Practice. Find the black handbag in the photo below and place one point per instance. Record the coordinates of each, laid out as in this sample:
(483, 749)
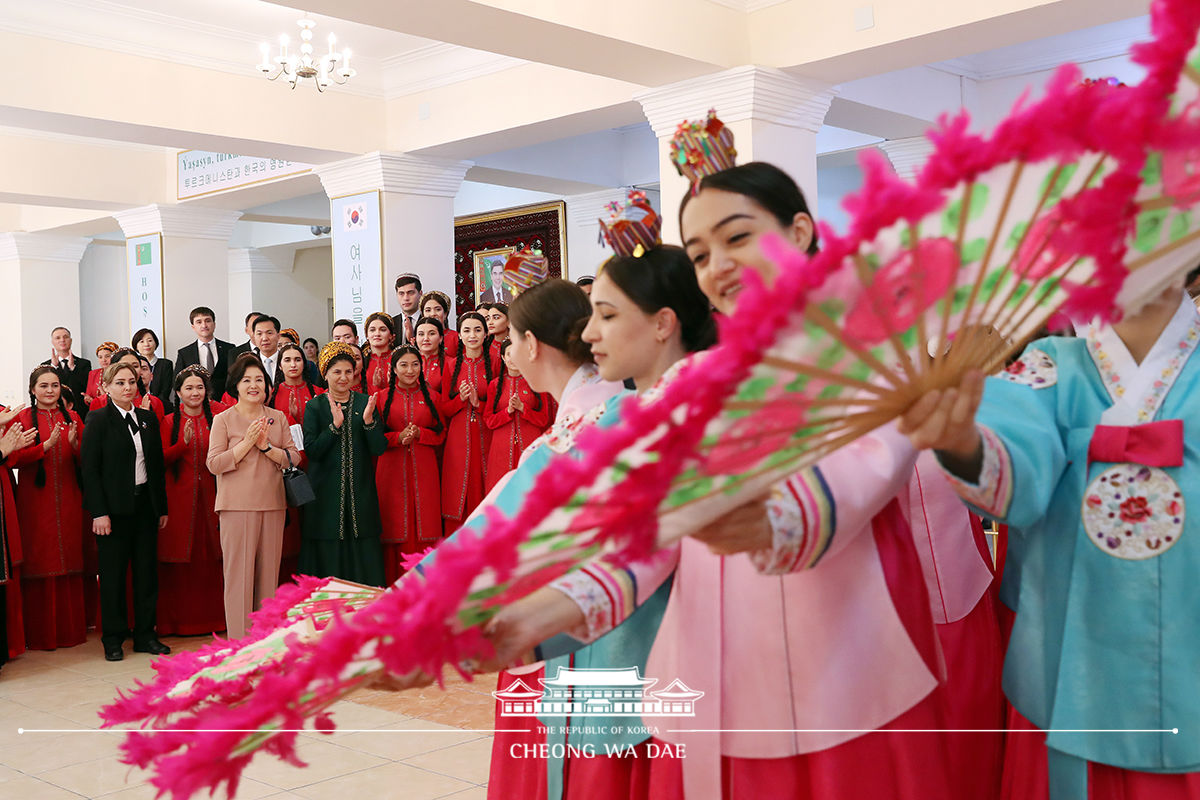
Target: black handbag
(296, 485)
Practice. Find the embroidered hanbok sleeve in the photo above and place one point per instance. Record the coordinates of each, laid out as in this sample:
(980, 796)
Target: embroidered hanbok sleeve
(816, 511)
(1023, 450)
(607, 593)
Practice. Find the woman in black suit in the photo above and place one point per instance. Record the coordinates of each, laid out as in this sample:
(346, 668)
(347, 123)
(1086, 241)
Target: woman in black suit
(145, 341)
(124, 488)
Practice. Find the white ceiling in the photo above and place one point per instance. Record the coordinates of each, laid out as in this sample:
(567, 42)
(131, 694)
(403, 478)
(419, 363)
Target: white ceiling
(226, 35)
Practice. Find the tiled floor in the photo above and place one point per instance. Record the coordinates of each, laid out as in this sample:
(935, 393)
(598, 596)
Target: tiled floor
(419, 745)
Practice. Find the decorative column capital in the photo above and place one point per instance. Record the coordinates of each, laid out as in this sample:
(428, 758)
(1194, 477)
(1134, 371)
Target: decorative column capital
(908, 156)
(741, 93)
(393, 172)
(253, 260)
(187, 221)
(42, 247)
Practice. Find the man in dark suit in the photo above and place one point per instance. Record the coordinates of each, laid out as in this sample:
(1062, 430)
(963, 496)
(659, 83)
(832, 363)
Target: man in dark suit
(72, 369)
(266, 346)
(124, 488)
(497, 292)
(247, 346)
(408, 292)
(207, 351)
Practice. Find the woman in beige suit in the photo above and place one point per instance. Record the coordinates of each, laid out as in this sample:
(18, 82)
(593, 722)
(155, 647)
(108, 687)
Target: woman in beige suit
(247, 451)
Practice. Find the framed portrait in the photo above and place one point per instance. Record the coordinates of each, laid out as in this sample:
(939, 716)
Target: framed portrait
(483, 242)
(488, 275)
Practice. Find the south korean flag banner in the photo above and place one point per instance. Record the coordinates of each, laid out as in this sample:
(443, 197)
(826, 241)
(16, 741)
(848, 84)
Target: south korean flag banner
(355, 218)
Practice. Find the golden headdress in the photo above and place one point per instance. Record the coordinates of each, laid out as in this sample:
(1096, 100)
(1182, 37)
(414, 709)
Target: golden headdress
(111, 347)
(329, 351)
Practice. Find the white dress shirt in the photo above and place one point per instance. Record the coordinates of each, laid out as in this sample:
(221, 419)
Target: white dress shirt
(139, 464)
(211, 347)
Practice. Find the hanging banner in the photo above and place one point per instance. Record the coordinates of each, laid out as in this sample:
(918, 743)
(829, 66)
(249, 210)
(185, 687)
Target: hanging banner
(199, 172)
(357, 256)
(143, 254)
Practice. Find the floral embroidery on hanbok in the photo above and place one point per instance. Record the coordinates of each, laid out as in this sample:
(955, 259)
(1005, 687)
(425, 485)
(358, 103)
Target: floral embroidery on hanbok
(1133, 512)
(1035, 368)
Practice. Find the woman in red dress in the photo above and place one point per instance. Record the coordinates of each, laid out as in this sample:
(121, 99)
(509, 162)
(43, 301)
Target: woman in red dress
(496, 317)
(381, 335)
(293, 392)
(96, 377)
(406, 475)
(290, 396)
(516, 415)
(50, 510)
(357, 385)
(464, 386)
(191, 597)
(12, 625)
(436, 305)
(431, 346)
(144, 399)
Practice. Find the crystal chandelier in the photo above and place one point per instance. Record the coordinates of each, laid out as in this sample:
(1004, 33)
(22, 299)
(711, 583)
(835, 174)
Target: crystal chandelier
(332, 67)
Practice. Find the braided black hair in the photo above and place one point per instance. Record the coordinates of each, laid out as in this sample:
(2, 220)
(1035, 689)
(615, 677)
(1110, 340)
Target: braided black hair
(402, 350)
(537, 396)
(39, 479)
(462, 354)
(312, 392)
(187, 372)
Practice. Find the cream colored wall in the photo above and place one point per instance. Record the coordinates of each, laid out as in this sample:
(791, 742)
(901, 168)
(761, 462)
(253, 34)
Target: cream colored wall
(300, 298)
(104, 297)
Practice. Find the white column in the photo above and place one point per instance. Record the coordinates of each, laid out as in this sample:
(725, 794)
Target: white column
(40, 273)
(774, 117)
(289, 282)
(908, 156)
(194, 269)
(409, 200)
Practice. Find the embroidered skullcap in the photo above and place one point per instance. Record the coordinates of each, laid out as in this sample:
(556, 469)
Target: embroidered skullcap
(111, 347)
(330, 351)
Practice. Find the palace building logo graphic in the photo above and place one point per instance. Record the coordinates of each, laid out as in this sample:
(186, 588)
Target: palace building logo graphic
(602, 692)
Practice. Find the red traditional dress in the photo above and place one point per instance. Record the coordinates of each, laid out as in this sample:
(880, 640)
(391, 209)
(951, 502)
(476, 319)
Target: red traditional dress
(432, 367)
(93, 384)
(450, 344)
(377, 369)
(406, 477)
(191, 598)
(156, 405)
(51, 521)
(512, 433)
(291, 400)
(10, 571)
(466, 442)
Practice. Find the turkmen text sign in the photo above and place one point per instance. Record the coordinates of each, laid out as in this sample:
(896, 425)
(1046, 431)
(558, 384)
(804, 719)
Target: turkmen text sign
(200, 172)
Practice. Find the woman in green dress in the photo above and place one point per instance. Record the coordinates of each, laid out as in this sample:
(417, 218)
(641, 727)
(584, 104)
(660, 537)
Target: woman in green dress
(342, 437)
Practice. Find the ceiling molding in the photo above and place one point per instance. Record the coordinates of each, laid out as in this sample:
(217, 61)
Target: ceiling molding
(70, 138)
(437, 65)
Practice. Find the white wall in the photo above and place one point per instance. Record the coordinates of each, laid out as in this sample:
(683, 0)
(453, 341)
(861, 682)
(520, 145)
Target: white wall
(833, 184)
(300, 298)
(104, 306)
